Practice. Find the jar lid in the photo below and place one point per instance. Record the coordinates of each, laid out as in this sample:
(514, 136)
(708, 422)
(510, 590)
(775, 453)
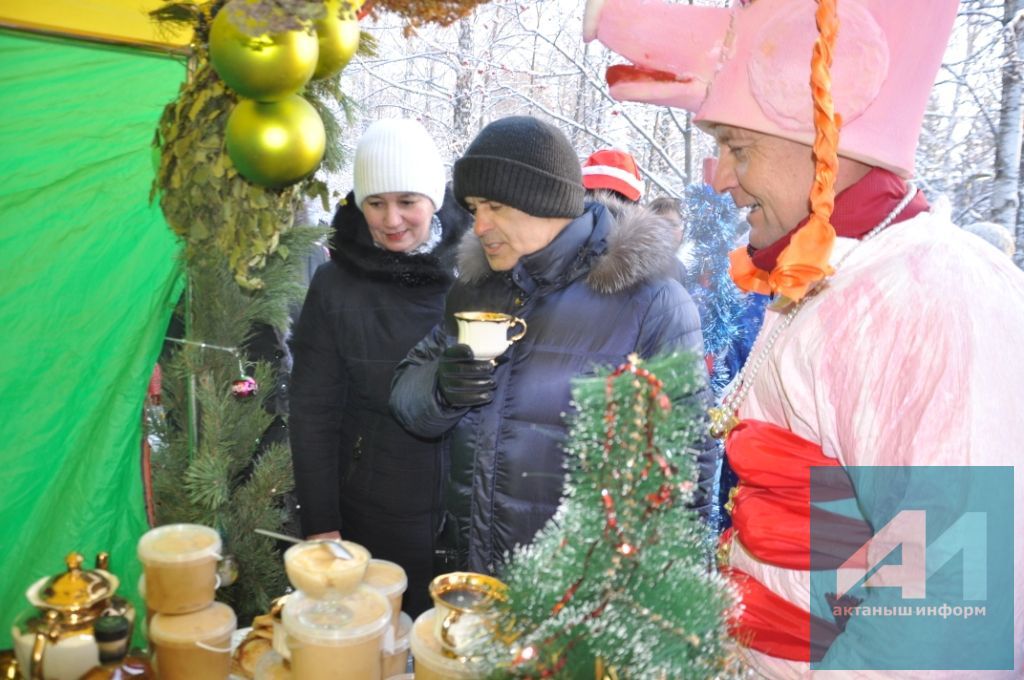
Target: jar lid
(74, 589)
(216, 621)
(272, 666)
(386, 577)
(179, 543)
(399, 641)
(361, 614)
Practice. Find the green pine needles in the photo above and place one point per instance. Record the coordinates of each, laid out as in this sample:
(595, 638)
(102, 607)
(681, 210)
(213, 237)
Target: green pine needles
(618, 583)
(213, 461)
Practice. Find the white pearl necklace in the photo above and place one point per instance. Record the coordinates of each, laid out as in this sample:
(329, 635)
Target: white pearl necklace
(723, 417)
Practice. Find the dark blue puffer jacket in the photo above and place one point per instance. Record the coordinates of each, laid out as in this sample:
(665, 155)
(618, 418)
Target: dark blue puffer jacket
(600, 291)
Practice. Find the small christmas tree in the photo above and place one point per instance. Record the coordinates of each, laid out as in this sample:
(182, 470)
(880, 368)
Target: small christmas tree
(213, 462)
(619, 579)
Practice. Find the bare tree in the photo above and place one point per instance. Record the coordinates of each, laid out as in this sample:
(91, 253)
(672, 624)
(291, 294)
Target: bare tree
(513, 57)
(462, 118)
(1006, 186)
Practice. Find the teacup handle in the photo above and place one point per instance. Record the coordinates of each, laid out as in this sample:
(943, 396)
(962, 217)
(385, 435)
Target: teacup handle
(50, 634)
(36, 665)
(459, 646)
(450, 619)
(518, 336)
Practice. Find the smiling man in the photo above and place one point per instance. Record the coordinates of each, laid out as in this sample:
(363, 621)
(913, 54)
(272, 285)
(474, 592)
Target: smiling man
(593, 287)
(776, 201)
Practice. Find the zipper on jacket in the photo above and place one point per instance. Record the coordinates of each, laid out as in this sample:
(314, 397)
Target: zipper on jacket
(357, 453)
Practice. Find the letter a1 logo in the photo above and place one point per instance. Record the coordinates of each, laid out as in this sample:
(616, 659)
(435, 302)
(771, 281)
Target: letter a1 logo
(907, 531)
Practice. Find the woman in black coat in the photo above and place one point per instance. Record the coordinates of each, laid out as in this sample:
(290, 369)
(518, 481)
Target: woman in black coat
(358, 474)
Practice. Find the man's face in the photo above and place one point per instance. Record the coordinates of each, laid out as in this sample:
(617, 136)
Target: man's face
(769, 175)
(508, 234)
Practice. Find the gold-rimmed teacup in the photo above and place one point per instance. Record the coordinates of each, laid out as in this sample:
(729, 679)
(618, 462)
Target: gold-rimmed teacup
(489, 334)
(465, 603)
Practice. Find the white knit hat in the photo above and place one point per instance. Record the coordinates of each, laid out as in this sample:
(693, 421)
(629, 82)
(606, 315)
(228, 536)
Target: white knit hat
(397, 154)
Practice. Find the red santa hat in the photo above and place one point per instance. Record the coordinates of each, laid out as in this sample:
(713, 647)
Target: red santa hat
(613, 170)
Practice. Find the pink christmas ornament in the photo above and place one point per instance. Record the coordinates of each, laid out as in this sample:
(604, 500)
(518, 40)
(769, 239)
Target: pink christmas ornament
(244, 387)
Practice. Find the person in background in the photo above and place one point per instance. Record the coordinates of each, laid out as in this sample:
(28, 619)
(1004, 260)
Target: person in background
(358, 474)
(996, 234)
(889, 363)
(611, 177)
(592, 289)
(613, 171)
(669, 208)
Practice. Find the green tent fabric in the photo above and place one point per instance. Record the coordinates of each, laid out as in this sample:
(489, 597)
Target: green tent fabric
(89, 275)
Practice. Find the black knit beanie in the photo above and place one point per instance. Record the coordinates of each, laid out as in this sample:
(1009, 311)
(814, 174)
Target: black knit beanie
(524, 163)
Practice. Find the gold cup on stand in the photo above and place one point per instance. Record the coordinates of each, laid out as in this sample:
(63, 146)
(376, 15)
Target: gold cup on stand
(465, 610)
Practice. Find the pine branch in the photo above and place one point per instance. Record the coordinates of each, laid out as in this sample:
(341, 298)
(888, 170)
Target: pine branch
(207, 482)
(231, 480)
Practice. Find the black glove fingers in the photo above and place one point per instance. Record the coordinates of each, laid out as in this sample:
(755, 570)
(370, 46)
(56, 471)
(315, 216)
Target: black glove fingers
(464, 381)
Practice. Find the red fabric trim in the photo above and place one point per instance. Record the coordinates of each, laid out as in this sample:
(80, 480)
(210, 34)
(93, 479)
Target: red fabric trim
(767, 622)
(775, 626)
(772, 516)
(769, 456)
(858, 209)
(772, 504)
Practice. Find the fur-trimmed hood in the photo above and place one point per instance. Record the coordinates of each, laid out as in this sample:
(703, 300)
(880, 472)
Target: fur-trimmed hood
(352, 248)
(629, 245)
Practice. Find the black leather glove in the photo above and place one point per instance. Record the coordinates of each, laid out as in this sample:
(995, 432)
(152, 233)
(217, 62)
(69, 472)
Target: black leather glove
(464, 381)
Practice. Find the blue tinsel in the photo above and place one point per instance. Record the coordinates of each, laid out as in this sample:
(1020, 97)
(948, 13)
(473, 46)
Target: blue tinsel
(730, 319)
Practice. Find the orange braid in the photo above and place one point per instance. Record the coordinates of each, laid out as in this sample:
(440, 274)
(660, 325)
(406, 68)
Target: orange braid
(805, 260)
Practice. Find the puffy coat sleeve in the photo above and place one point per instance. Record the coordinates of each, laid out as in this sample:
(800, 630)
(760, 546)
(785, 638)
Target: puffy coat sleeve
(673, 323)
(415, 402)
(317, 393)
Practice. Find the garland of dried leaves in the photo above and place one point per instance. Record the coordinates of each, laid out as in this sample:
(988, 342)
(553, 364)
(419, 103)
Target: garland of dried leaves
(205, 200)
(419, 12)
(203, 197)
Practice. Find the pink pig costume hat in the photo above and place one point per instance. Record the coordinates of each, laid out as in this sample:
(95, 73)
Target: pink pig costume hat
(748, 66)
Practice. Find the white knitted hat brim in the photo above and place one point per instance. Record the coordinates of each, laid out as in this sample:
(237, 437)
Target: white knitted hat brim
(398, 156)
